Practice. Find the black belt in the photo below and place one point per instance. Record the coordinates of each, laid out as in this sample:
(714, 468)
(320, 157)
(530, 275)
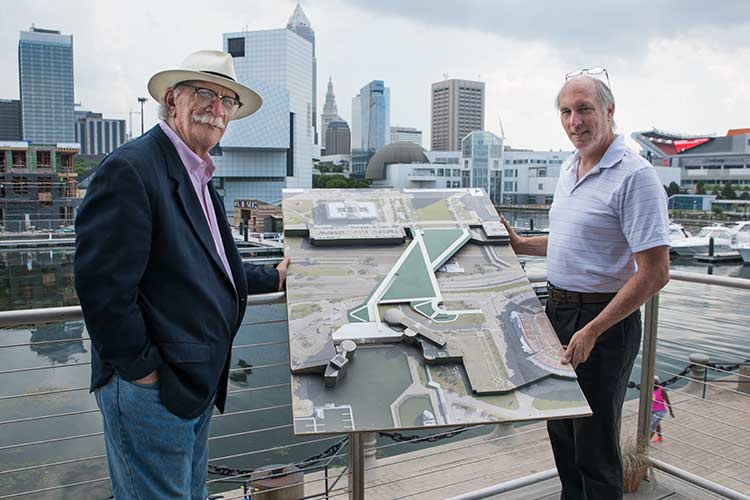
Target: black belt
(566, 296)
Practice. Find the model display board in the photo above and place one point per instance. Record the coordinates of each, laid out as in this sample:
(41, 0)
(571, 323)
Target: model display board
(408, 308)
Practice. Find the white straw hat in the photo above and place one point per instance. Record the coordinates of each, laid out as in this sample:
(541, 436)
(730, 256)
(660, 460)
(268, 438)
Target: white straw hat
(212, 66)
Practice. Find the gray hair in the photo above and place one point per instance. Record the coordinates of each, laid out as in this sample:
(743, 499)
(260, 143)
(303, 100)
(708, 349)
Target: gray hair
(163, 109)
(602, 92)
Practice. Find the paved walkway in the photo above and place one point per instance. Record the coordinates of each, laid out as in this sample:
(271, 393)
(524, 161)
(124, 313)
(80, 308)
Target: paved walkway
(709, 438)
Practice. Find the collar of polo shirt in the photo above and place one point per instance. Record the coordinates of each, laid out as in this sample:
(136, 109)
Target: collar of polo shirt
(611, 157)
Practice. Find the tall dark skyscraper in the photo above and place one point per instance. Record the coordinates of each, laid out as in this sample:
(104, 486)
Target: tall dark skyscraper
(45, 70)
(299, 24)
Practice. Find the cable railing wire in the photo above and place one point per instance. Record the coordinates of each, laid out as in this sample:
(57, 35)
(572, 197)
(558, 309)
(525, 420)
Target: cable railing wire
(43, 393)
(665, 322)
(45, 417)
(712, 436)
(463, 463)
(700, 348)
(48, 441)
(245, 412)
(470, 445)
(707, 383)
(274, 448)
(53, 464)
(662, 450)
(704, 450)
(706, 417)
(313, 461)
(52, 488)
(727, 368)
(708, 401)
(474, 478)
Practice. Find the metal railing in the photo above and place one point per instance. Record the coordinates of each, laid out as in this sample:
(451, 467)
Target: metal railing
(333, 466)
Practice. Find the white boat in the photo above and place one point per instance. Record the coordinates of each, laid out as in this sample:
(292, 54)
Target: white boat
(699, 243)
(740, 241)
(677, 232)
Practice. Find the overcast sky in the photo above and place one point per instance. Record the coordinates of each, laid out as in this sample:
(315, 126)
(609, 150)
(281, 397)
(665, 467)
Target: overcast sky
(681, 65)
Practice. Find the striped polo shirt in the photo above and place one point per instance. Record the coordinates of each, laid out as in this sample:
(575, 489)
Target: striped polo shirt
(598, 222)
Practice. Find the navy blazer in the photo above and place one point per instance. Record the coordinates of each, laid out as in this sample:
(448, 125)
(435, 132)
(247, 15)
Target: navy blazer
(154, 293)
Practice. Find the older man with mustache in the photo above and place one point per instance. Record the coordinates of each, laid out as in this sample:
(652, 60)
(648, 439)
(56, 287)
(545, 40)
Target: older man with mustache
(162, 286)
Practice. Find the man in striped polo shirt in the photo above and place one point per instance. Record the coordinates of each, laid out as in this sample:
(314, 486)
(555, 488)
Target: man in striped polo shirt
(607, 253)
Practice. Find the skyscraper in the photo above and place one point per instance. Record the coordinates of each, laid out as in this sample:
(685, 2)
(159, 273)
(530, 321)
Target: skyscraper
(45, 71)
(338, 138)
(299, 24)
(371, 116)
(457, 110)
(330, 112)
(271, 149)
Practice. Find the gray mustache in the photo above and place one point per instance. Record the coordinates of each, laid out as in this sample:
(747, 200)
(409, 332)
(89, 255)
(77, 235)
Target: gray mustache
(206, 119)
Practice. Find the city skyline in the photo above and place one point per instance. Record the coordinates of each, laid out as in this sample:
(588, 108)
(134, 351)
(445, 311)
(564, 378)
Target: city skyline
(685, 70)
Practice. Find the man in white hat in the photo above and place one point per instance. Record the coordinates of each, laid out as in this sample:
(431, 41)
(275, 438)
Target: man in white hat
(162, 286)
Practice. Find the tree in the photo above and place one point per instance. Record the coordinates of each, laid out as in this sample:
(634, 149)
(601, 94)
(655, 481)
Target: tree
(82, 166)
(745, 196)
(673, 189)
(727, 192)
(337, 182)
(700, 188)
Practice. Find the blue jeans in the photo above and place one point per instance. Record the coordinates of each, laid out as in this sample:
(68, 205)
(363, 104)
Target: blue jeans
(152, 453)
(656, 416)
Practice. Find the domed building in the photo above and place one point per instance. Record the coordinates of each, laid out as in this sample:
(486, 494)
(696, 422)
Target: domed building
(405, 165)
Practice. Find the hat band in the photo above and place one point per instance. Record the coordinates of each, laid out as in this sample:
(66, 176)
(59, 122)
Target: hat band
(215, 73)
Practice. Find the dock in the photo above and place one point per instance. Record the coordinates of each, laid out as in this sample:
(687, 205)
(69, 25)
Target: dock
(718, 257)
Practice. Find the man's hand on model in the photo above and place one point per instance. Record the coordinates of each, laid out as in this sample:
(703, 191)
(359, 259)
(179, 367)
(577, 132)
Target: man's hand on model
(579, 348)
(515, 239)
(148, 379)
(283, 268)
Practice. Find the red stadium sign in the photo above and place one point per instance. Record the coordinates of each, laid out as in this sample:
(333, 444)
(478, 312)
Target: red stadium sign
(685, 144)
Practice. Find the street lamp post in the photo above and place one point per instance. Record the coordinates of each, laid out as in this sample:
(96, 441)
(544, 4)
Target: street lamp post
(141, 100)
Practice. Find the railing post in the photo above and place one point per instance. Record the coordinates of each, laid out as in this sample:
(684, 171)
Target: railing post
(648, 360)
(356, 466)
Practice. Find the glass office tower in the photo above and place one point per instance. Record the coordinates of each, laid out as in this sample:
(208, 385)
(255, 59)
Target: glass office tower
(45, 70)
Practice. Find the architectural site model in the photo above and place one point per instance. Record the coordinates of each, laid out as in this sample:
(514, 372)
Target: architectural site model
(407, 309)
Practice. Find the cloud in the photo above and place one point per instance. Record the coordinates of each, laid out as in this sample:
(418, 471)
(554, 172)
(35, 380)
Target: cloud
(582, 29)
(674, 65)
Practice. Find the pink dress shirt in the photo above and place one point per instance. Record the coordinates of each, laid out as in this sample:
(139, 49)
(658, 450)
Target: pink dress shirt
(200, 171)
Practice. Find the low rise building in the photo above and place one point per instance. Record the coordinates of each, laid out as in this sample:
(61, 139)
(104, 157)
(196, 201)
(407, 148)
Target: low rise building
(700, 158)
(509, 176)
(257, 216)
(37, 185)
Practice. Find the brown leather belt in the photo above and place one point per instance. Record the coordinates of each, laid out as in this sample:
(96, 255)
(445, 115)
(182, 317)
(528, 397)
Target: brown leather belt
(566, 296)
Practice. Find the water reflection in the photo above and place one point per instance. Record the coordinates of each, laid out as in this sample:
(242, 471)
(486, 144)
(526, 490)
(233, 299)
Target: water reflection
(32, 279)
(43, 341)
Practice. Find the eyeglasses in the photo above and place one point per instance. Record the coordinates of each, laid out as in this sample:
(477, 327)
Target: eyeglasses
(594, 72)
(206, 97)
